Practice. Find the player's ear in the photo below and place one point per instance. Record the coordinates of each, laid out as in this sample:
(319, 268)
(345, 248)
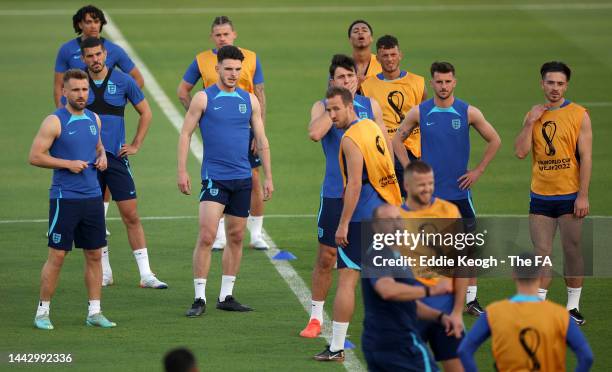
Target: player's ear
(217, 68)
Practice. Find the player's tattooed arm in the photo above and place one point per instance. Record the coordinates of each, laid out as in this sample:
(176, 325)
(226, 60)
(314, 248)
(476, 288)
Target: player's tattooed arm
(378, 118)
(144, 121)
(523, 142)
(190, 123)
(489, 134)
(262, 146)
(184, 93)
(585, 150)
(408, 124)
(261, 97)
(320, 122)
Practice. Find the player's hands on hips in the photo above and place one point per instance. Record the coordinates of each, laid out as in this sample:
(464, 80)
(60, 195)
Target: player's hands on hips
(467, 180)
(453, 324)
(581, 206)
(127, 150)
(184, 183)
(268, 189)
(101, 162)
(77, 166)
(342, 235)
(536, 112)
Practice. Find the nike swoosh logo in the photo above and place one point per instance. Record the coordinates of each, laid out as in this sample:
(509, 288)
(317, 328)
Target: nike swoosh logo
(428, 124)
(73, 132)
(217, 108)
(132, 192)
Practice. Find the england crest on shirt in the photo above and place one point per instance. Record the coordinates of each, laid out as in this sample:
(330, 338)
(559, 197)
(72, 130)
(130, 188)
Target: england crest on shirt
(93, 129)
(456, 123)
(111, 88)
(242, 108)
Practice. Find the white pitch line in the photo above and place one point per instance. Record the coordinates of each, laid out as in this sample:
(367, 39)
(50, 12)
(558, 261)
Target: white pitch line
(323, 9)
(287, 272)
(268, 216)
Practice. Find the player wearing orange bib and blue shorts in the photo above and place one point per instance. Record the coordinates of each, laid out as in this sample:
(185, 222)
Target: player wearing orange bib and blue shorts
(558, 134)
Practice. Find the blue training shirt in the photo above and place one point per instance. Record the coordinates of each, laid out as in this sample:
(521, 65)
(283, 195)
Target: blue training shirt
(119, 89)
(225, 127)
(69, 56)
(332, 182)
(445, 145)
(192, 74)
(77, 141)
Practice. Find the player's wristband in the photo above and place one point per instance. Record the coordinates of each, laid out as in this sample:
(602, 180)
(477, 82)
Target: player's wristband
(439, 318)
(427, 291)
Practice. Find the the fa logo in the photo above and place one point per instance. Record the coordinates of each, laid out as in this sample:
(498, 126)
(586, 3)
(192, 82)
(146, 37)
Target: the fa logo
(320, 232)
(214, 192)
(363, 115)
(56, 238)
(93, 129)
(242, 108)
(111, 88)
(456, 123)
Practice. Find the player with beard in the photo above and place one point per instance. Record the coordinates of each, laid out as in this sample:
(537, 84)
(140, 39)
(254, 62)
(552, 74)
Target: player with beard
(110, 92)
(397, 91)
(561, 140)
(69, 143)
(444, 123)
(321, 128)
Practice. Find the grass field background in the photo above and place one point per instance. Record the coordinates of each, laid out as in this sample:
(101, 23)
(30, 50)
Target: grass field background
(497, 53)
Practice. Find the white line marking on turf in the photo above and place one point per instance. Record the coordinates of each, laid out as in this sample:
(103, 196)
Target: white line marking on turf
(284, 268)
(322, 9)
(279, 216)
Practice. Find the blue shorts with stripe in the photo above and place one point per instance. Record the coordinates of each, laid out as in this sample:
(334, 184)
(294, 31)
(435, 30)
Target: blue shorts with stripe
(234, 194)
(118, 178)
(253, 157)
(443, 347)
(408, 356)
(349, 257)
(330, 210)
(78, 221)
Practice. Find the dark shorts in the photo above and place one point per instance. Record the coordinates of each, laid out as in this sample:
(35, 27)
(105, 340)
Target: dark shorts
(76, 220)
(330, 210)
(234, 194)
(413, 356)
(443, 347)
(350, 256)
(551, 208)
(118, 178)
(466, 208)
(253, 157)
(399, 171)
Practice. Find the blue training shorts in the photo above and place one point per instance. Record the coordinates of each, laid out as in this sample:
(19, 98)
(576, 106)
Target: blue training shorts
(77, 220)
(234, 194)
(118, 178)
(328, 219)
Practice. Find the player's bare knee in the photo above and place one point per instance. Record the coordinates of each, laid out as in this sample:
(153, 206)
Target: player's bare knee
(327, 258)
(235, 236)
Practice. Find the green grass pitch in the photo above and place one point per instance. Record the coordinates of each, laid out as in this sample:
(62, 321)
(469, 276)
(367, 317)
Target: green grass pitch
(497, 52)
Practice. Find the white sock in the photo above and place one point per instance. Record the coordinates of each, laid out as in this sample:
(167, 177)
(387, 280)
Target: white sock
(573, 298)
(227, 286)
(470, 295)
(200, 288)
(106, 204)
(221, 230)
(94, 307)
(106, 267)
(254, 224)
(316, 311)
(542, 293)
(142, 259)
(339, 330)
(43, 308)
